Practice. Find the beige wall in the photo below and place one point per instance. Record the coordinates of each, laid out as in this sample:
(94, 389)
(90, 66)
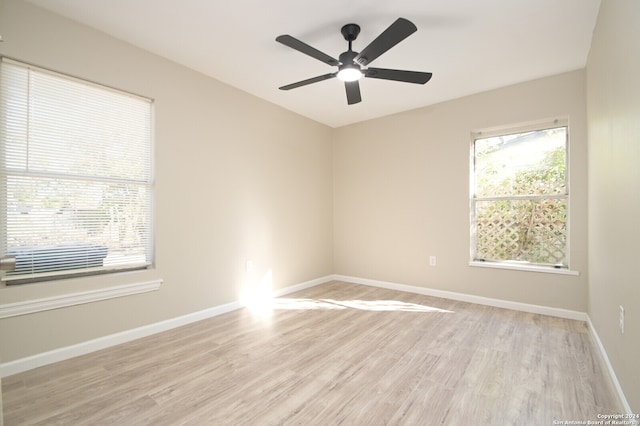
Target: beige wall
(401, 194)
(613, 89)
(237, 179)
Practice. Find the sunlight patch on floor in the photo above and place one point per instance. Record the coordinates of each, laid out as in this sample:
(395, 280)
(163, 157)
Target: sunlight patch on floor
(364, 305)
(259, 298)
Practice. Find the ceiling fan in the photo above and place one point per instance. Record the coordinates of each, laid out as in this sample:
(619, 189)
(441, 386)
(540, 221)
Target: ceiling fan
(353, 65)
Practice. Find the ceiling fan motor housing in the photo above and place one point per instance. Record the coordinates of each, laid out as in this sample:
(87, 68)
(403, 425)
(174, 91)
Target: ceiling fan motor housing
(347, 58)
(350, 32)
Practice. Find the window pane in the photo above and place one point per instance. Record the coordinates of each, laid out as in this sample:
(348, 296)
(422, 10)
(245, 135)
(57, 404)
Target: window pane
(522, 230)
(47, 216)
(531, 163)
(79, 129)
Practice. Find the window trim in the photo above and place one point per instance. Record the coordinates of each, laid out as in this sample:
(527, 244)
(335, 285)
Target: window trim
(65, 300)
(543, 124)
(526, 267)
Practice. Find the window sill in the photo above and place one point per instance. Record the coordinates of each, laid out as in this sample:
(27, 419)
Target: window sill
(526, 268)
(8, 310)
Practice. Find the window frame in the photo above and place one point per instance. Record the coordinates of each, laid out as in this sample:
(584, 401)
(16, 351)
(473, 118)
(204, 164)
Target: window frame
(149, 184)
(537, 125)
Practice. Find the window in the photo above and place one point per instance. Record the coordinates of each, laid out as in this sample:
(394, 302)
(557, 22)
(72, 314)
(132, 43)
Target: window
(75, 175)
(519, 196)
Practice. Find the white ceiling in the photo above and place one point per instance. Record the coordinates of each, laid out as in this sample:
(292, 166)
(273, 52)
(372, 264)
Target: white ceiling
(470, 46)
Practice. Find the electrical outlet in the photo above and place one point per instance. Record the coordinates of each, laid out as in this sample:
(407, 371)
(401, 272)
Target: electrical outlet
(621, 319)
(249, 266)
(433, 261)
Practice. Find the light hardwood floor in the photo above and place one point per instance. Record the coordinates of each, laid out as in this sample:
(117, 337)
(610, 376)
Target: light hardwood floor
(337, 353)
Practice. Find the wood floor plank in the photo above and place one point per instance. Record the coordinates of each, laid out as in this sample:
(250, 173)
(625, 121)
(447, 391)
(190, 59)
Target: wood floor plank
(336, 353)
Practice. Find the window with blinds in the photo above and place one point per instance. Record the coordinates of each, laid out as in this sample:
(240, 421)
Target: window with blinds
(75, 173)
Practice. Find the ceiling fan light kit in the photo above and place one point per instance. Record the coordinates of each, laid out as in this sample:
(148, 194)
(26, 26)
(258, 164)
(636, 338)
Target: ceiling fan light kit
(352, 66)
(349, 73)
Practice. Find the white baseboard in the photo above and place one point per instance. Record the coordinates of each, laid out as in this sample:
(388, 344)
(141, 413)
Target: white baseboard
(61, 354)
(479, 300)
(302, 286)
(610, 369)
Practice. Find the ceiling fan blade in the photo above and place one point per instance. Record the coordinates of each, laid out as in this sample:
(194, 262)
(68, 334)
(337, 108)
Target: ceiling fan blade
(398, 31)
(296, 44)
(308, 81)
(353, 92)
(398, 75)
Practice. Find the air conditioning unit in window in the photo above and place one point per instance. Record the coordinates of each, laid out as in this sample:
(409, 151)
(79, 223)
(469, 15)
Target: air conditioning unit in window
(61, 257)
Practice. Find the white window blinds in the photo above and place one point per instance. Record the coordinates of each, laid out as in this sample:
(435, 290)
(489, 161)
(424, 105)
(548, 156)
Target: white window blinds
(75, 175)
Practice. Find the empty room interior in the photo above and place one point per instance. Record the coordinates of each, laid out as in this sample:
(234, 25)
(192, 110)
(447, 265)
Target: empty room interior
(454, 247)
